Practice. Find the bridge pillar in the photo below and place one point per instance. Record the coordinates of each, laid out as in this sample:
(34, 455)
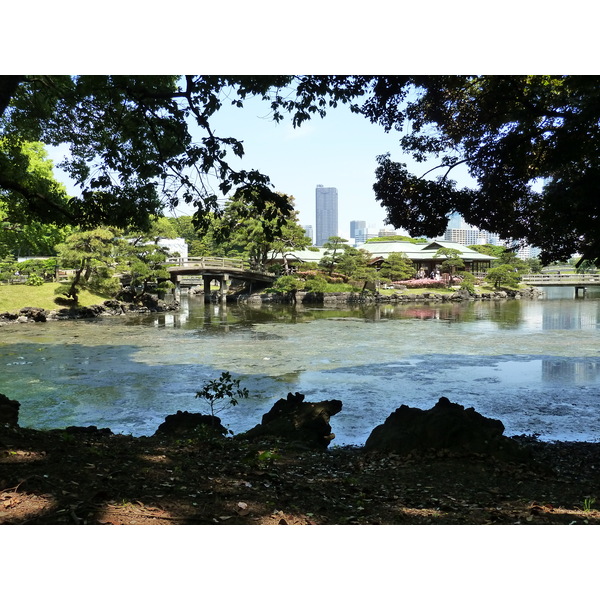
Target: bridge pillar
(579, 288)
(225, 283)
(206, 279)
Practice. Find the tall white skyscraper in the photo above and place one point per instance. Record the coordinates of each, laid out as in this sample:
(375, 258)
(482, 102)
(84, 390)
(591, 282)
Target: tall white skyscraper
(326, 214)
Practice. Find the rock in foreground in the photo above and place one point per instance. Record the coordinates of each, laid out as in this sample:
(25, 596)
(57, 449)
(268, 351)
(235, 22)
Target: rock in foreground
(184, 423)
(295, 420)
(9, 411)
(446, 426)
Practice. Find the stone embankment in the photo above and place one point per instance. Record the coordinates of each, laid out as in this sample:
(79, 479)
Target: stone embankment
(148, 304)
(336, 298)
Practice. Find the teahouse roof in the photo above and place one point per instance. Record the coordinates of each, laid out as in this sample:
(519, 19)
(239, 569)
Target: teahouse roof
(423, 251)
(416, 252)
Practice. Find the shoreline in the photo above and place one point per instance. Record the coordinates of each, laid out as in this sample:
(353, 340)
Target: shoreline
(31, 314)
(153, 304)
(322, 298)
(81, 478)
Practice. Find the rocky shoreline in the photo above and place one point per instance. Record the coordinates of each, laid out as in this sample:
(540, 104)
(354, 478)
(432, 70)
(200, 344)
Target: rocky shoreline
(152, 304)
(319, 298)
(147, 304)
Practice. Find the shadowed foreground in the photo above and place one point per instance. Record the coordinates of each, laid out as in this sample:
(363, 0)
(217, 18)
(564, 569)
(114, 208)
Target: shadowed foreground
(57, 477)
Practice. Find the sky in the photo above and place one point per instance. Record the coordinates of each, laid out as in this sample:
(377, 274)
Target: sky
(338, 151)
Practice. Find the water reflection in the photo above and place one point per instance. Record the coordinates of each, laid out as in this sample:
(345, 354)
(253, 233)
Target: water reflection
(568, 293)
(561, 315)
(504, 314)
(570, 370)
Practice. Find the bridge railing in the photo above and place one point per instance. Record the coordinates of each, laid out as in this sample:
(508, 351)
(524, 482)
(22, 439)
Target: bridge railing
(564, 278)
(207, 262)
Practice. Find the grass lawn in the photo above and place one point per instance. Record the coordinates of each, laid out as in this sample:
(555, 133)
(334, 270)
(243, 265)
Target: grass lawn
(15, 297)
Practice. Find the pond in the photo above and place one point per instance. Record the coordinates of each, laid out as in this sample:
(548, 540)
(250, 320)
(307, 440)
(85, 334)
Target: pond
(533, 364)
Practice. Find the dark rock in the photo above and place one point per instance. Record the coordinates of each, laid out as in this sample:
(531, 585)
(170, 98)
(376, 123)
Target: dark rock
(113, 307)
(446, 426)
(90, 312)
(144, 303)
(185, 422)
(295, 420)
(9, 411)
(34, 314)
(6, 316)
(91, 430)
(461, 295)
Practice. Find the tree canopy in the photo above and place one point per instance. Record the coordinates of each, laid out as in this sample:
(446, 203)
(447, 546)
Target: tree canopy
(257, 228)
(531, 145)
(132, 141)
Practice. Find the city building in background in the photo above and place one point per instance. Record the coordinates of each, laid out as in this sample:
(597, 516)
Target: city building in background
(387, 232)
(326, 199)
(308, 230)
(455, 221)
(358, 232)
(460, 232)
(357, 227)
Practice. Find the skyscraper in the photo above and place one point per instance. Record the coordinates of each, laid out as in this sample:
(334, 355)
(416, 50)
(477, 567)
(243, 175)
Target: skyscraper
(357, 228)
(326, 214)
(308, 230)
(455, 221)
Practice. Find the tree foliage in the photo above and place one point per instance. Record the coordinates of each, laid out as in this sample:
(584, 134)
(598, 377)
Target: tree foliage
(133, 142)
(488, 249)
(503, 275)
(530, 143)
(105, 258)
(335, 247)
(256, 227)
(21, 233)
(93, 256)
(452, 259)
(353, 262)
(144, 265)
(397, 266)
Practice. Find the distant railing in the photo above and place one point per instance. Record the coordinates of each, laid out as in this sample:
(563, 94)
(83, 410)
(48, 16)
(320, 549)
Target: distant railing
(207, 262)
(64, 274)
(561, 279)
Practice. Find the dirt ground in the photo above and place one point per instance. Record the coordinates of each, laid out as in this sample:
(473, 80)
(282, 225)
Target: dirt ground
(63, 478)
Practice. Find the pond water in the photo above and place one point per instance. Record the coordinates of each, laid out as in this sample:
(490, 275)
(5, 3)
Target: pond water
(535, 365)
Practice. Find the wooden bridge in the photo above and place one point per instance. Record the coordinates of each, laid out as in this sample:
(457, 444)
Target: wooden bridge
(576, 280)
(196, 270)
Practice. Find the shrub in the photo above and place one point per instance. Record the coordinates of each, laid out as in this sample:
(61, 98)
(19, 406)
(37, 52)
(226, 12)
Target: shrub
(217, 393)
(35, 279)
(315, 284)
(467, 281)
(423, 283)
(286, 284)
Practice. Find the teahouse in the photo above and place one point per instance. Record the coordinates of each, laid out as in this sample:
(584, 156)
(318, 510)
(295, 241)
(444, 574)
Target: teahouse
(422, 255)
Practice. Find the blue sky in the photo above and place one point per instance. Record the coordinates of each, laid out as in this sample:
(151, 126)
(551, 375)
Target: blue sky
(338, 151)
